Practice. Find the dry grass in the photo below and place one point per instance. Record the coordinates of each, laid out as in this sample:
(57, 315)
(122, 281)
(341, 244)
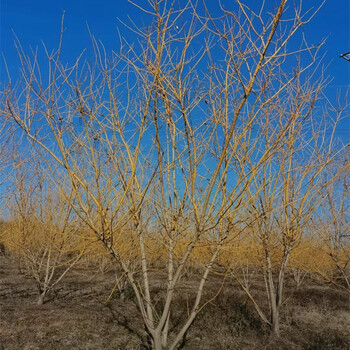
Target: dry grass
(315, 317)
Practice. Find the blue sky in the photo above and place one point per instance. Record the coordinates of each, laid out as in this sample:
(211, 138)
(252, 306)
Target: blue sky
(34, 21)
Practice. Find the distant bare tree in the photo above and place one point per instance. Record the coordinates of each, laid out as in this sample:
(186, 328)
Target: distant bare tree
(334, 228)
(40, 231)
(286, 193)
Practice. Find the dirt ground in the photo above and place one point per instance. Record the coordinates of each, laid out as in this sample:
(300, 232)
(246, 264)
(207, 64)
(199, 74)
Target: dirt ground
(315, 317)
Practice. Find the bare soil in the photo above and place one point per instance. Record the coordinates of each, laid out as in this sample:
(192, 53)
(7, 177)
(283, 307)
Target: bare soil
(315, 317)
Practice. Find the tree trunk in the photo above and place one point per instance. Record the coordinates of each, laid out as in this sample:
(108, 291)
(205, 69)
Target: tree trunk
(41, 299)
(165, 332)
(273, 297)
(275, 324)
(157, 341)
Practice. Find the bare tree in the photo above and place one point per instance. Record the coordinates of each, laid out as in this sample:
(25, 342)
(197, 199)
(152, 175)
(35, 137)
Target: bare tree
(159, 139)
(334, 229)
(41, 231)
(286, 193)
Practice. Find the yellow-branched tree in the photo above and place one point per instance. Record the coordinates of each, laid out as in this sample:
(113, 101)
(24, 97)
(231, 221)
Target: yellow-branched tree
(41, 231)
(157, 141)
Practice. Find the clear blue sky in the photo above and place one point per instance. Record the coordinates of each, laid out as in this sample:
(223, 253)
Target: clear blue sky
(34, 21)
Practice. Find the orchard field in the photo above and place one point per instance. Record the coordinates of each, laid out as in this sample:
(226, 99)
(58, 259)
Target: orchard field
(80, 314)
(186, 189)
